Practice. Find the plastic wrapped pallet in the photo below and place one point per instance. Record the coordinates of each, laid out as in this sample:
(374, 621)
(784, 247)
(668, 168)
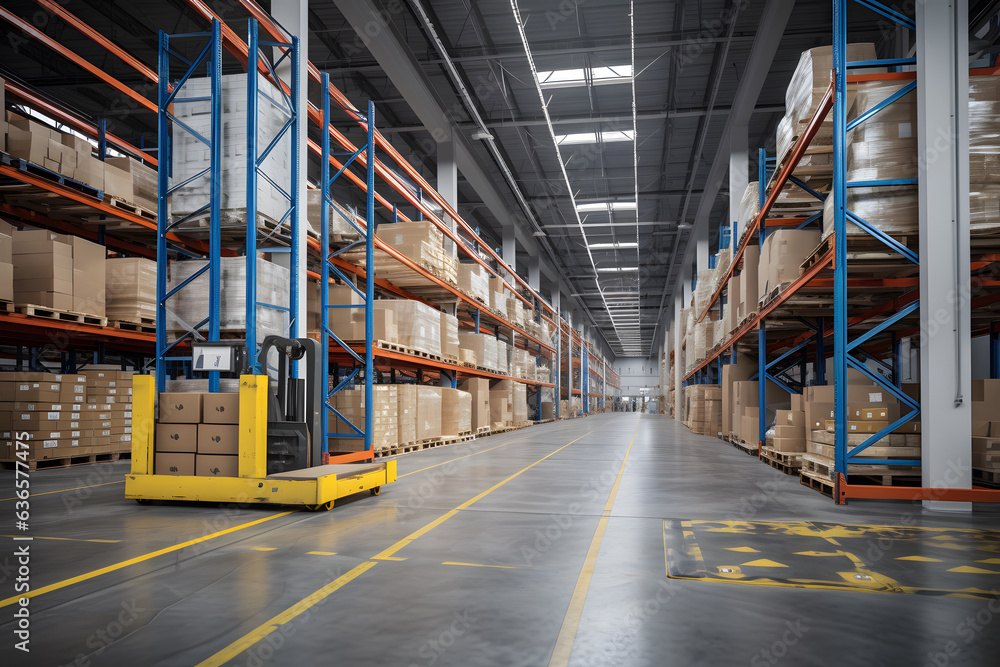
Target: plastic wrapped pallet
(351, 404)
(341, 229)
(483, 346)
(811, 79)
(418, 325)
(467, 357)
(502, 403)
(428, 413)
(190, 385)
(703, 290)
(406, 414)
(449, 337)
(724, 259)
(519, 406)
(703, 339)
(503, 358)
(191, 156)
(474, 280)
(131, 289)
(781, 257)
(479, 393)
(423, 243)
(749, 205)
(784, 137)
(456, 412)
(189, 306)
(984, 154)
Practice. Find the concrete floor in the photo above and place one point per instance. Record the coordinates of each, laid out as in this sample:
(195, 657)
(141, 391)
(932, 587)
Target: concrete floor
(404, 579)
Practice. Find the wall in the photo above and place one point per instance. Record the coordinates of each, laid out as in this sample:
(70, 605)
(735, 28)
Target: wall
(636, 373)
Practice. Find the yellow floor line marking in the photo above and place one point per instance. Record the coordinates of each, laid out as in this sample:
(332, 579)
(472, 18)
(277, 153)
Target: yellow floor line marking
(990, 561)
(65, 539)
(763, 562)
(248, 640)
(746, 550)
(75, 488)
(968, 569)
(321, 553)
(502, 567)
(571, 623)
(921, 559)
(264, 548)
(262, 631)
(132, 561)
(460, 457)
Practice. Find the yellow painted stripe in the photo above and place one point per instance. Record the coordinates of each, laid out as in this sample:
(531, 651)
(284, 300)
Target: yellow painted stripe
(264, 548)
(262, 631)
(501, 567)
(321, 553)
(132, 561)
(75, 488)
(65, 539)
(571, 623)
(259, 633)
(460, 457)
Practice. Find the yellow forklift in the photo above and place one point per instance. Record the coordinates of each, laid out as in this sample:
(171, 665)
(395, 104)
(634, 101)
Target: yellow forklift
(280, 459)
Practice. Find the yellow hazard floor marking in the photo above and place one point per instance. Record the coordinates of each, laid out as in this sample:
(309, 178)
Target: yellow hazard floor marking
(138, 559)
(502, 567)
(746, 550)
(990, 561)
(969, 569)
(763, 562)
(818, 554)
(264, 548)
(262, 631)
(66, 539)
(921, 559)
(75, 488)
(321, 553)
(571, 623)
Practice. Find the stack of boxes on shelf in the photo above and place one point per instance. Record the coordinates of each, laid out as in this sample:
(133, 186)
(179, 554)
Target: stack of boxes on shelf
(350, 403)
(197, 434)
(986, 430)
(109, 404)
(474, 280)
(479, 392)
(456, 413)
(340, 217)
(131, 290)
(64, 273)
(703, 408)
(984, 147)
(6, 262)
(423, 243)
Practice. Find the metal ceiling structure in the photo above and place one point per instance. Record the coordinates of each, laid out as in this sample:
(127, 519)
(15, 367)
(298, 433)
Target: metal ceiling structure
(636, 102)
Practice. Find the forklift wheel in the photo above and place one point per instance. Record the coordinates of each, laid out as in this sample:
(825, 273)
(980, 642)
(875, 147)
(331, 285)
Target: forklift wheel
(142, 501)
(320, 508)
(376, 490)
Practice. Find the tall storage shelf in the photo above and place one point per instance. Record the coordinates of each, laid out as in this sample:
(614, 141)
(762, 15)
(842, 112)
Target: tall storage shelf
(854, 299)
(527, 326)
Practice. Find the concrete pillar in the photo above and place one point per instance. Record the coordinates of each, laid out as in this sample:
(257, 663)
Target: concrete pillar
(739, 165)
(701, 246)
(945, 312)
(447, 186)
(510, 248)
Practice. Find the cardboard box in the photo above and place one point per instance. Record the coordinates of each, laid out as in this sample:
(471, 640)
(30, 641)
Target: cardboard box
(215, 465)
(6, 281)
(816, 415)
(781, 255)
(479, 389)
(428, 423)
(793, 444)
(173, 463)
(180, 408)
(175, 438)
(218, 439)
(220, 408)
(748, 282)
(40, 241)
(53, 300)
(406, 413)
(886, 413)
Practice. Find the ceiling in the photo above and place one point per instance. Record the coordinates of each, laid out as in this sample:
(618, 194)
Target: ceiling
(688, 62)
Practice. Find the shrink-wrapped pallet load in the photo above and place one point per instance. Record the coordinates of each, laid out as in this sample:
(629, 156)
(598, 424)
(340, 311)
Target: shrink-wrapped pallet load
(418, 326)
(131, 289)
(351, 404)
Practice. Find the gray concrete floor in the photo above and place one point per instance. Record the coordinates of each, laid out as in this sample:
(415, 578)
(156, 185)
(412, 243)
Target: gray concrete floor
(188, 605)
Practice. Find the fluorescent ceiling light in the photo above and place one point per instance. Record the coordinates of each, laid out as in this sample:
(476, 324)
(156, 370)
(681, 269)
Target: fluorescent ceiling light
(613, 269)
(606, 206)
(606, 246)
(609, 137)
(568, 78)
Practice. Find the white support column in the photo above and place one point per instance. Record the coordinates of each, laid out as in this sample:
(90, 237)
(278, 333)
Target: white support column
(945, 312)
(510, 248)
(447, 185)
(534, 273)
(686, 286)
(678, 370)
(293, 15)
(701, 247)
(739, 164)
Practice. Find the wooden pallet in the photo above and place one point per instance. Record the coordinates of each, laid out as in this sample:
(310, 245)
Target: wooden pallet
(144, 327)
(817, 482)
(62, 462)
(817, 254)
(746, 447)
(36, 170)
(6, 307)
(129, 207)
(786, 462)
(63, 315)
(986, 476)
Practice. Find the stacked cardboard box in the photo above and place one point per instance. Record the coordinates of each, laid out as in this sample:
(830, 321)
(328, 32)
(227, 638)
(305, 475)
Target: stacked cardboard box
(790, 428)
(6, 262)
(484, 346)
(197, 434)
(131, 181)
(423, 243)
(428, 413)
(519, 403)
(745, 367)
(48, 411)
(456, 412)
(351, 404)
(474, 280)
(502, 404)
(109, 404)
(131, 289)
(984, 155)
(780, 258)
(479, 391)
(418, 326)
(406, 414)
(59, 272)
(986, 426)
(449, 338)
(498, 296)
(703, 408)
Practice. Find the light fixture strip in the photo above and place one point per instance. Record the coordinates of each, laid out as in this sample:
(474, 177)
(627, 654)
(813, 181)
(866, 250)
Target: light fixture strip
(635, 144)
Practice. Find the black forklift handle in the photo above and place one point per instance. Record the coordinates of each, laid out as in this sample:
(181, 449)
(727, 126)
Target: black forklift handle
(290, 347)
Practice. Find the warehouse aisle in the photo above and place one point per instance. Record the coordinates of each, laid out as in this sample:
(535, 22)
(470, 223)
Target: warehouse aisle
(551, 543)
